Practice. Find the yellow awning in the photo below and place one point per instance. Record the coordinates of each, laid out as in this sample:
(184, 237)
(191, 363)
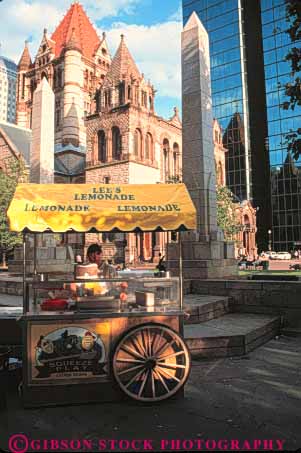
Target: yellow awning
(101, 207)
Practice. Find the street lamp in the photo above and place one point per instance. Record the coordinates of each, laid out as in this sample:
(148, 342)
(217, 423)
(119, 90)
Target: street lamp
(270, 239)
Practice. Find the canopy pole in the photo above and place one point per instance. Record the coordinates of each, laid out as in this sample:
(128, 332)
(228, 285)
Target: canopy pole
(181, 270)
(35, 255)
(24, 272)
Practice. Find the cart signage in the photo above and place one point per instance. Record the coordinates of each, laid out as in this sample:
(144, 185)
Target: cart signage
(69, 351)
(83, 207)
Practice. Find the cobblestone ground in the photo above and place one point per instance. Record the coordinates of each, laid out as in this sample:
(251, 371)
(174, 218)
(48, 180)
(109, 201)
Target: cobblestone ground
(253, 397)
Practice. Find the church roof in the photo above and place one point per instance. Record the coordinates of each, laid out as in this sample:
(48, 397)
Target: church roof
(25, 60)
(123, 65)
(19, 138)
(76, 23)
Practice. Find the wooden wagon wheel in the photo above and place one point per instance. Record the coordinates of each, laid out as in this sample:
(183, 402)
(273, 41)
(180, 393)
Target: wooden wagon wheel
(151, 363)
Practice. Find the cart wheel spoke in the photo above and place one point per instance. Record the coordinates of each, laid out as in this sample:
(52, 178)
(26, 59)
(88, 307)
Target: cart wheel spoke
(171, 366)
(149, 337)
(163, 349)
(169, 356)
(157, 373)
(163, 371)
(151, 363)
(143, 383)
(139, 346)
(132, 352)
(134, 378)
(130, 361)
(128, 370)
(144, 342)
(154, 341)
(157, 346)
(153, 384)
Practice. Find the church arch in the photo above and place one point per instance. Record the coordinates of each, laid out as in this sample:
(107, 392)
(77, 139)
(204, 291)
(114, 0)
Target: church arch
(116, 143)
(148, 146)
(138, 143)
(102, 146)
(44, 74)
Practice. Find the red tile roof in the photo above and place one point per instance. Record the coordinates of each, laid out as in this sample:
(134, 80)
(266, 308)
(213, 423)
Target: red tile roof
(86, 35)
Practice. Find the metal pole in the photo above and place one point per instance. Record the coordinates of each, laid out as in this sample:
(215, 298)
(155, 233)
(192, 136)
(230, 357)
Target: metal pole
(181, 270)
(35, 255)
(24, 273)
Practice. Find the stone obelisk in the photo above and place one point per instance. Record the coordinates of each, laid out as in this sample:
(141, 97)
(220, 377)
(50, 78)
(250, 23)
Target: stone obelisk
(42, 145)
(42, 155)
(198, 150)
(205, 254)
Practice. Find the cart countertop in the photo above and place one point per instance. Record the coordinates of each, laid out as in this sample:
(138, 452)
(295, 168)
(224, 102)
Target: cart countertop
(89, 314)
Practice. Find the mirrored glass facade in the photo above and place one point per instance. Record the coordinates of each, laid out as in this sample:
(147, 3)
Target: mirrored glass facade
(285, 171)
(248, 45)
(222, 20)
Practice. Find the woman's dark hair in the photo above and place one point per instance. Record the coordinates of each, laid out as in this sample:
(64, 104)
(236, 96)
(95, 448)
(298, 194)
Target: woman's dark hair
(94, 248)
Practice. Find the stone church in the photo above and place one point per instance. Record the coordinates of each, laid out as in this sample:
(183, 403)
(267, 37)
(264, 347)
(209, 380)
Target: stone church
(107, 129)
(106, 126)
(245, 239)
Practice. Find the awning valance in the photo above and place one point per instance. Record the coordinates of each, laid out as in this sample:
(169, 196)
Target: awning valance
(101, 207)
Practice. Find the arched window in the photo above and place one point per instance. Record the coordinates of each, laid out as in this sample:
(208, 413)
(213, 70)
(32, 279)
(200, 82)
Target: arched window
(246, 221)
(148, 146)
(44, 74)
(116, 143)
(121, 90)
(106, 98)
(138, 143)
(102, 146)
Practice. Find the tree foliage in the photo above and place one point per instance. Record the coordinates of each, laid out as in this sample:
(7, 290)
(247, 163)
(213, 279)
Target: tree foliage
(9, 177)
(227, 219)
(293, 88)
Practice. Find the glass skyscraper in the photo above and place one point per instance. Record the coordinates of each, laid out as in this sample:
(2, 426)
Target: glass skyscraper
(248, 45)
(285, 171)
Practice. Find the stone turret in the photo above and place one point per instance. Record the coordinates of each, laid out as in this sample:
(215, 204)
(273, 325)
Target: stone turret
(22, 86)
(73, 81)
(124, 84)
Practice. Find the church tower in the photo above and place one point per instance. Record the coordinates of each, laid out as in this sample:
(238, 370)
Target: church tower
(127, 143)
(75, 61)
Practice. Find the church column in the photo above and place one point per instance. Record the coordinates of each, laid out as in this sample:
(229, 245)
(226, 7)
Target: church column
(109, 145)
(94, 148)
(131, 248)
(158, 246)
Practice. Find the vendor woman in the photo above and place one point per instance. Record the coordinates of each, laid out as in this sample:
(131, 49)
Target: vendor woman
(94, 255)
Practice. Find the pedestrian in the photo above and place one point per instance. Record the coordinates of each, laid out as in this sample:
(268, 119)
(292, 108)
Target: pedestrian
(161, 266)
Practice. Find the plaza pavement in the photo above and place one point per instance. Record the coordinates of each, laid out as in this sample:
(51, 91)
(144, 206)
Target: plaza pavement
(257, 396)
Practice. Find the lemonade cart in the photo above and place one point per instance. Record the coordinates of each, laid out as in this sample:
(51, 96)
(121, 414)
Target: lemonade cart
(93, 339)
